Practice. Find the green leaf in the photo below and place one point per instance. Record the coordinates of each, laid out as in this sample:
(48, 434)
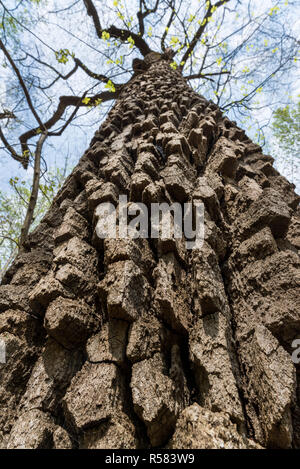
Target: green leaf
(110, 86)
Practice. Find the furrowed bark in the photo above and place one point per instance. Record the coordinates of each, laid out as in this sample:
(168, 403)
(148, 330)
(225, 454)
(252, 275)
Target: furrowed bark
(143, 343)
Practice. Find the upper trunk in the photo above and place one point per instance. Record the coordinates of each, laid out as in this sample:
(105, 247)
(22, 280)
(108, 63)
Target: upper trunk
(119, 343)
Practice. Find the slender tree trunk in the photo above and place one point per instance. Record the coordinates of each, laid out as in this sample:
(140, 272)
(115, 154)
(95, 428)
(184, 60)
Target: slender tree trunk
(143, 343)
(34, 192)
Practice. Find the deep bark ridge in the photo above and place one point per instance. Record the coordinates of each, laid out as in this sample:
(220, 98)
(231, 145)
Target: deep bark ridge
(142, 343)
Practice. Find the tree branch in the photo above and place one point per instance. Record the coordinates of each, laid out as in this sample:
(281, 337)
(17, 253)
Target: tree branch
(21, 81)
(11, 257)
(92, 12)
(6, 114)
(91, 74)
(64, 102)
(59, 75)
(35, 190)
(200, 30)
(205, 75)
(162, 42)
(142, 15)
(14, 154)
(78, 64)
(117, 33)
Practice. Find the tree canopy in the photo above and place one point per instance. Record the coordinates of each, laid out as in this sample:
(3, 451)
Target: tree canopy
(63, 63)
(236, 52)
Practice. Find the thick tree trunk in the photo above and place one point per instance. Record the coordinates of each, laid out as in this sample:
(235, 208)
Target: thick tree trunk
(142, 343)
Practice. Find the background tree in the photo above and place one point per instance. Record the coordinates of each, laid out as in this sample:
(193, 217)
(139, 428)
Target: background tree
(14, 206)
(286, 147)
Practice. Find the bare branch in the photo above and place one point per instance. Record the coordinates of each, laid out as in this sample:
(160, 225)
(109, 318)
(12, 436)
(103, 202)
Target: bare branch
(92, 12)
(21, 81)
(6, 114)
(200, 30)
(11, 257)
(142, 15)
(205, 75)
(14, 154)
(94, 75)
(163, 38)
(64, 102)
(117, 33)
(34, 191)
(124, 34)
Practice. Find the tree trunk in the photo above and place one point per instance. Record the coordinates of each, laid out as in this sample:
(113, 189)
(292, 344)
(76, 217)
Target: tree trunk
(142, 343)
